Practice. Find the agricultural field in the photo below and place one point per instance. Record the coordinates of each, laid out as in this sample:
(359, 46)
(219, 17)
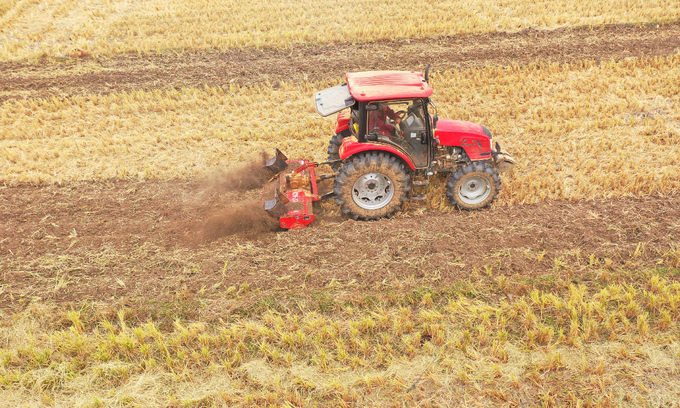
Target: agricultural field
(138, 269)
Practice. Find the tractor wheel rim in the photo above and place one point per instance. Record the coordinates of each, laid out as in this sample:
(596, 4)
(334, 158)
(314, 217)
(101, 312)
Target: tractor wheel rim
(372, 191)
(474, 190)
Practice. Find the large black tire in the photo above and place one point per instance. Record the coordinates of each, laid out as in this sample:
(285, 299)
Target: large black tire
(474, 186)
(371, 186)
(334, 148)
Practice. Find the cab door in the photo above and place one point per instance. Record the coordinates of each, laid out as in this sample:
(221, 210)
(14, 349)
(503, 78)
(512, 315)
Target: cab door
(402, 124)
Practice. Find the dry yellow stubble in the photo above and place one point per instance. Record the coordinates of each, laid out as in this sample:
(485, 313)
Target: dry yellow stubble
(173, 134)
(33, 28)
(6, 5)
(517, 348)
(578, 132)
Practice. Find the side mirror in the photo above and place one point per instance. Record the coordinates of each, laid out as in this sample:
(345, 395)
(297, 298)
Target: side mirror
(435, 119)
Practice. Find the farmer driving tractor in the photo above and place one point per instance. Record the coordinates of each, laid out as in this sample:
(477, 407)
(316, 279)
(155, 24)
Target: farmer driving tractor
(377, 120)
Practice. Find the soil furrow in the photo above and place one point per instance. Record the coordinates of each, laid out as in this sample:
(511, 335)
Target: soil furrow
(88, 75)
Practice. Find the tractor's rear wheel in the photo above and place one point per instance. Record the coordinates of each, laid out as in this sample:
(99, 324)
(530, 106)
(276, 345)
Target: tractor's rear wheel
(474, 186)
(371, 186)
(334, 148)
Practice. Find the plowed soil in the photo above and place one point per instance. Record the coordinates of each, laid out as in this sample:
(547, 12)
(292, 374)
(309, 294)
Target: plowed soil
(120, 241)
(111, 242)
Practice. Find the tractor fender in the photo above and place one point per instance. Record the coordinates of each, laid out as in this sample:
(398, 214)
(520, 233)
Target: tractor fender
(342, 122)
(350, 147)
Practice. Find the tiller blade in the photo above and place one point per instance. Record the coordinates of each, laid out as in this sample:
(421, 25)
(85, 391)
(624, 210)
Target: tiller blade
(278, 163)
(276, 207)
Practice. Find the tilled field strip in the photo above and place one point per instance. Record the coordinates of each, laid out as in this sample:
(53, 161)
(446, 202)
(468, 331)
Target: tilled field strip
(83, 76)
(117, 241)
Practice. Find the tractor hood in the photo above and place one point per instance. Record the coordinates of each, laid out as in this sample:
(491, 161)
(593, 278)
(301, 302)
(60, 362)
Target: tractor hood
(474, 139)
(454, 129)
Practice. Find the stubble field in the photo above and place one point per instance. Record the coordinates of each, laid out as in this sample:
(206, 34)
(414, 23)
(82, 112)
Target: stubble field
(138, 269)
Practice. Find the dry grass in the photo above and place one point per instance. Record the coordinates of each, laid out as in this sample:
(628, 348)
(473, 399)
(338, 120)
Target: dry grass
(35, 28)
(577, 131)
(6, 5)
(613, 346)
(154, 134)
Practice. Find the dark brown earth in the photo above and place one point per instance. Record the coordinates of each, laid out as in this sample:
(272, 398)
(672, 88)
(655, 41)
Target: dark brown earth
(130, 241)
(47, 78)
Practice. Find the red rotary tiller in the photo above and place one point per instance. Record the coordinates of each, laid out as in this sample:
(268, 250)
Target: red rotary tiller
(295, 188)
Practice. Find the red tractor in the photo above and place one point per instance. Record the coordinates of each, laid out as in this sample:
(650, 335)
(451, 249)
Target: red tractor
(386, 147)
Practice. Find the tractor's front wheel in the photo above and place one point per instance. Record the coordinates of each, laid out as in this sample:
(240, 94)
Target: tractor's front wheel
(474, 186)
(371, 186)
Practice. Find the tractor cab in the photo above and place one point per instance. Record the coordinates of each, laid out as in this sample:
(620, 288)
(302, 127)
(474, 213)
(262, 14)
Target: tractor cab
(388, 112)
(402, 124)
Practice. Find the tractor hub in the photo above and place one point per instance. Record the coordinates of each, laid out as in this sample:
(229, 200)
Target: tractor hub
(475, 190)
(372, 191)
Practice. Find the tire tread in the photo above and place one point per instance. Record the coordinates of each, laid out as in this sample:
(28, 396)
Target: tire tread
(459, 174)
(362, 164)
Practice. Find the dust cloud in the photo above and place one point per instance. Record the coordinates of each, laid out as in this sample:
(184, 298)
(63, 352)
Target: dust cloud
(232, 203)
(249, 176)
(243, 218)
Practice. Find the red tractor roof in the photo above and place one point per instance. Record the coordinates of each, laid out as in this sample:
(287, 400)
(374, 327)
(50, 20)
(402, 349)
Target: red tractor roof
(376, 85)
